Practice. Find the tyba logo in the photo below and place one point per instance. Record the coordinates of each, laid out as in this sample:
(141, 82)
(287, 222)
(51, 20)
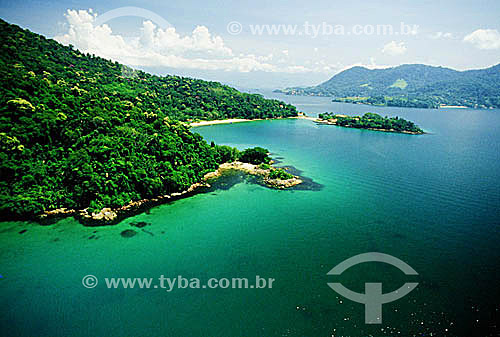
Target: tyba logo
(373, 298)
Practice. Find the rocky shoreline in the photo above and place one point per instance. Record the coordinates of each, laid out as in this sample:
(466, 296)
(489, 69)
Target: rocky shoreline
(109, 216)
(255, 170)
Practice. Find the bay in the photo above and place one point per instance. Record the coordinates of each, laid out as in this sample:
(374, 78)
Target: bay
(432, 201)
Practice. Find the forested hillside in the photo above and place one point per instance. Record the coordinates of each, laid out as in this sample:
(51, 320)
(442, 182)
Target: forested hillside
(412, 85)
(80, 131)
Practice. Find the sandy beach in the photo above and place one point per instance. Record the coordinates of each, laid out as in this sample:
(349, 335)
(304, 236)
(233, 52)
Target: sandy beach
(314, 119)
(453, 106)
(223, 121)
(240, 120)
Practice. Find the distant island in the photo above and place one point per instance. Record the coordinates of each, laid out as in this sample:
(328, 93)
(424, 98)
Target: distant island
(411, 86)
(83, 135)
(402, 102)
(371, 121)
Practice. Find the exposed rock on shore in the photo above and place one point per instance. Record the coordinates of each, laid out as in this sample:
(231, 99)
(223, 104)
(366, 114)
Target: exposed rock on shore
(257, 171)
(108, 216)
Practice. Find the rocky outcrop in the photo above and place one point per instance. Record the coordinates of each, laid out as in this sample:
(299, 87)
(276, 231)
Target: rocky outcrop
(257, 171)
(106, 214)
(283, 183)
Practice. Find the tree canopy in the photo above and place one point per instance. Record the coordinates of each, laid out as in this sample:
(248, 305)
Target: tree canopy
(372, 121)
(256, 156)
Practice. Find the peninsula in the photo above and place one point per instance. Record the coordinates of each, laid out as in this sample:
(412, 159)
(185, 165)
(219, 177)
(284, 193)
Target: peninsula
(253, 161)
(79, 132)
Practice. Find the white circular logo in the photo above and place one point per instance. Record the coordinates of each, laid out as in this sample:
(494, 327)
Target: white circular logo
(89, 281)
(234, 27)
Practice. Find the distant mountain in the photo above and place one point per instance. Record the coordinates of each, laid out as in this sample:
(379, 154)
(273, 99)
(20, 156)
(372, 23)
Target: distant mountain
(411, 85)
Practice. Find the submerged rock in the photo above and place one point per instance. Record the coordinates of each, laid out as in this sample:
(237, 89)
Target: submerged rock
(139, 224)
(128, 233)
(148, 232)
(283, 183)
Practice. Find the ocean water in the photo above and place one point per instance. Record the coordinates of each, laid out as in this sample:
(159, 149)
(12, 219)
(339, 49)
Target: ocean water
(432, 201)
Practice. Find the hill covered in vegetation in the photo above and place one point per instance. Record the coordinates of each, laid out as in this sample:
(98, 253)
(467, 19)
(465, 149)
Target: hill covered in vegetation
(412, 85)
(80, 131)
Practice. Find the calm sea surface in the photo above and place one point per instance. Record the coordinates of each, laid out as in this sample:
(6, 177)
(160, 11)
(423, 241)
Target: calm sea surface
(432, 201)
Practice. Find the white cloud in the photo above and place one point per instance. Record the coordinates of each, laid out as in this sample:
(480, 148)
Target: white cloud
(484, 38)
(168, 41)
(165, 47)
(441, 35)
(371, 65)
(393, 48)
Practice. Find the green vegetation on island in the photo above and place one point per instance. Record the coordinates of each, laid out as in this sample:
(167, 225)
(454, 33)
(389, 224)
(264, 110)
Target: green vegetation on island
(78, 131)
(411, 85)
(280, 174)
(371, 121)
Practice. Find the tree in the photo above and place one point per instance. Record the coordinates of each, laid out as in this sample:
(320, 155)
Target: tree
(256, 155)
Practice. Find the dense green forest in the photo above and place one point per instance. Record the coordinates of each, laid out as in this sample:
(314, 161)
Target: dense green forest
(411, 85)
(80, 131)
(372, 121)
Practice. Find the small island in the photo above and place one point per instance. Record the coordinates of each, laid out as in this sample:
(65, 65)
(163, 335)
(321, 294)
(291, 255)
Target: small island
(371, 121)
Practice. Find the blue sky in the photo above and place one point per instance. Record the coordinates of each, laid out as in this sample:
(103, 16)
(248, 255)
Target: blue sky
(321, 39)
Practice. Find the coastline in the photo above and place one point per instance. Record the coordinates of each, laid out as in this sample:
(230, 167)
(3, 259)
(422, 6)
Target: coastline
(453, 106)
(223, 121)
(242, 120)
(313, 119)
(111, 216)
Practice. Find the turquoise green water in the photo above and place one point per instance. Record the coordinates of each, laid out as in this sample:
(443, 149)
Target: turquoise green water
(432, 201)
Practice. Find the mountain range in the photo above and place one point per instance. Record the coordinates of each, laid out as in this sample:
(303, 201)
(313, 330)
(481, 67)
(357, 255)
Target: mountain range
(411, 85)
